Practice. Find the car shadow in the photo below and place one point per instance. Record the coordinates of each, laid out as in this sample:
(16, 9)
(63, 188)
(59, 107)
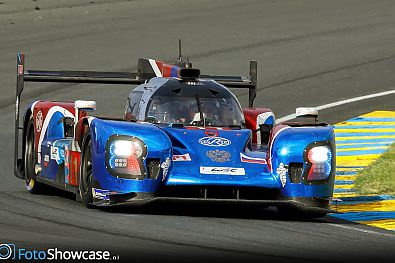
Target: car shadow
(236, 211)
(212, 210)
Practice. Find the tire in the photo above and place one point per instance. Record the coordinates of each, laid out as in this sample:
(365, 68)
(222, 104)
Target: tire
(30, 161)
(86, 175)
(298, 213)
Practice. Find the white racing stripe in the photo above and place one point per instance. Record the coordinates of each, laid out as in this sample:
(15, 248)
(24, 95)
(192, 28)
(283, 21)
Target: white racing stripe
(341, 102)
(155, 67)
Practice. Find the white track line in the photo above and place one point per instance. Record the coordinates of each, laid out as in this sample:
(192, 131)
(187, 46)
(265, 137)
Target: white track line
(338, 103)
(363, 230)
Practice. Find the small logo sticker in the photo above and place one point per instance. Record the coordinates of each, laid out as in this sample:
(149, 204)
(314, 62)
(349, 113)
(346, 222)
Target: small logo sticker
(181, 158)
(222, 170)
(165, 166)
(214, 141)
(282, 172)
(39, 121)
(101, 194)
(54, 153)
(20, 70)
(218, 156)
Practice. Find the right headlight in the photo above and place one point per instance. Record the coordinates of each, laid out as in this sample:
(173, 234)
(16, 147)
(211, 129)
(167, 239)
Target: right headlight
(319, 154)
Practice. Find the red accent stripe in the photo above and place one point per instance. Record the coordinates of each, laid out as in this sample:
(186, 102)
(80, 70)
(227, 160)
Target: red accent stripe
(245, 160)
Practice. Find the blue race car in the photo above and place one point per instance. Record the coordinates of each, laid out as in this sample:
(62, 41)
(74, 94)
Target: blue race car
(184, 136)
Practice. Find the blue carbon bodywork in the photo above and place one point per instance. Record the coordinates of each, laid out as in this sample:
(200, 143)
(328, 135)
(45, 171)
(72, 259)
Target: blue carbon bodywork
(289, 146)
(188, 173)
(165, 141)
(158, 146)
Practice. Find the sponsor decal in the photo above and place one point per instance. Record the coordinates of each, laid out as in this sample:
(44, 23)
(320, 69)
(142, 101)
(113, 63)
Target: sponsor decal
(282, 173)
(218, 156)
(54, 153)
(39, 121)
(66, 165)
(181, 158)
(248, 159)
(20, 70)
(57, 154)
(222, 170)
(214, 141)
(100, 194)
(46, 160)
(165, 167)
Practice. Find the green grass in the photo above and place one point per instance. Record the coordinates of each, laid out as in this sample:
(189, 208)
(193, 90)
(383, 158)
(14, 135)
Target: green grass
(379, 177)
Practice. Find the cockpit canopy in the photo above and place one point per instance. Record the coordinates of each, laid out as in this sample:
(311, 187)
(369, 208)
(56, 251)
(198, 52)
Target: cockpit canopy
(202, 103)
(195, 111)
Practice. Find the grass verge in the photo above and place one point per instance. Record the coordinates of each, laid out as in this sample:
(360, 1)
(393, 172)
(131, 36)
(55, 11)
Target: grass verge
(379, 177)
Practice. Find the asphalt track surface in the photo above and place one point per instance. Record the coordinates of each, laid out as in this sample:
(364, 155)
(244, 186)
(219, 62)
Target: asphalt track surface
(309, 53)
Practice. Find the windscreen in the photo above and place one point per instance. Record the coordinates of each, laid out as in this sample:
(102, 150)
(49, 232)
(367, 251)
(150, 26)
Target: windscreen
(195, 111)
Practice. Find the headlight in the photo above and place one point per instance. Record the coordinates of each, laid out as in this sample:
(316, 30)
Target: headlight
(319, 162)
(125, 155)
(124, 148)
(319, 154)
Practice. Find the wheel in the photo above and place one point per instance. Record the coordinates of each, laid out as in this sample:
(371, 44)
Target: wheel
(30, 161)
(299, 213)
(86, 176)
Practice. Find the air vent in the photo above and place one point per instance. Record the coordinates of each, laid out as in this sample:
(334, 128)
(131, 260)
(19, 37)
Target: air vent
(68, 125)
(295, 172)
(153, 167)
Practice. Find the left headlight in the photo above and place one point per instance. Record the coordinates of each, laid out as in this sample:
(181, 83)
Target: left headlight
(125, 155)
(125, 148)
(319, 162)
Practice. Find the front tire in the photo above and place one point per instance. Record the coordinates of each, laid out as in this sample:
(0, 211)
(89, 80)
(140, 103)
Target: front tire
(86, 175)
(30, 161)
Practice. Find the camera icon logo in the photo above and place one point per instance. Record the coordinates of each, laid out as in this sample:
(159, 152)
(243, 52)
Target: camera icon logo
(7, 251)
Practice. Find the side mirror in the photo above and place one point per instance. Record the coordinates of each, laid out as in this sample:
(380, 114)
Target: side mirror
(306, 112)
(263, 133)
(264, 122)
(85, 104)
(82, 105)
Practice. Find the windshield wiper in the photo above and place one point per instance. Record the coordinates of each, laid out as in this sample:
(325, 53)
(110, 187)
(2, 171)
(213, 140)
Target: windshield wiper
(200, 110)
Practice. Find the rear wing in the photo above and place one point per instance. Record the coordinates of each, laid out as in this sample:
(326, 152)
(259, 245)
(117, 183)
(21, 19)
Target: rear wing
(99, 77)
(249, 82)
(149, 68)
